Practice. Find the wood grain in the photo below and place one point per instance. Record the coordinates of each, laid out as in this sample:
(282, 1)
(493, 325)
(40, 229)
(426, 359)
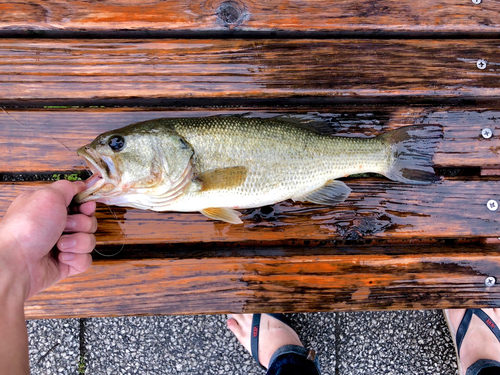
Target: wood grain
(301, 283)
(276, 15)
(200, 266)
(46, 141)
(90, 71)
(376, 209)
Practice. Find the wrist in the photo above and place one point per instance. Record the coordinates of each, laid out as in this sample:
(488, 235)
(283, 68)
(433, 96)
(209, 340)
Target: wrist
(14, 339)
(13, 287)
(12, 294)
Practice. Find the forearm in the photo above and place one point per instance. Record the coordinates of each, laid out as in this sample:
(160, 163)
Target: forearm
(13, 341)
(13, 334)
(34, 223)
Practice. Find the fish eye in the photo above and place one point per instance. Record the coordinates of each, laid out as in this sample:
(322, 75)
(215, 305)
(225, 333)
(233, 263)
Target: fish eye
(116, 142)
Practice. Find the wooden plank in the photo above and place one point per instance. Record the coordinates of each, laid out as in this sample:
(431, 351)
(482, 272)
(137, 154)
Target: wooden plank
(376, 209)
(47, 140)
(275, 15)
(90, 71)
(490, 172)
(300, 283)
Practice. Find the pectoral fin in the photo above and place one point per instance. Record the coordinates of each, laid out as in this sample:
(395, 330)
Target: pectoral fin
(331, 194)
(223, 214)
(223, 178)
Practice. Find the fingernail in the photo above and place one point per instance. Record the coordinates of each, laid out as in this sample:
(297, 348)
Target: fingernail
(67, 256)
(67, 243)
(70, 223)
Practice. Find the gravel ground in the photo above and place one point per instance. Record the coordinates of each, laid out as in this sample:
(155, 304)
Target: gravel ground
(400, 342)
(54, 346)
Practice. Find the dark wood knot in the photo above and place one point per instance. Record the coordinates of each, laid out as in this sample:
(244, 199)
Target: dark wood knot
(231, 14)
(353, 234)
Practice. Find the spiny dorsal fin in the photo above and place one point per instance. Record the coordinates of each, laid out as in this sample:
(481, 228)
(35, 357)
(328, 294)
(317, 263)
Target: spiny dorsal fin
(311, 122)
(223, 214)
(224, 178)
(333, 193)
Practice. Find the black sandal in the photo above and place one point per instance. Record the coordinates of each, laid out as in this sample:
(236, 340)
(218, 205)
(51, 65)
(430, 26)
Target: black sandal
(254, 338)
(480, 364)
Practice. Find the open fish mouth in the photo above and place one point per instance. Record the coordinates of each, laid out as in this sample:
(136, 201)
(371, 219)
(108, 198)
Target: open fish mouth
(99, 184)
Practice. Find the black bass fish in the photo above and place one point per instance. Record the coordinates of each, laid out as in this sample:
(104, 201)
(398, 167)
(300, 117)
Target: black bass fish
(216, 165)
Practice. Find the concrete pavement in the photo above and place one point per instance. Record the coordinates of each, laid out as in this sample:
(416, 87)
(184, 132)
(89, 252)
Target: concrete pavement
(350, 343)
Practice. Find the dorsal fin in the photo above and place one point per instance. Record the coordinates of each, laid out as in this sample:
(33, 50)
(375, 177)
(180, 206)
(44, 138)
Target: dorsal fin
(310, 122)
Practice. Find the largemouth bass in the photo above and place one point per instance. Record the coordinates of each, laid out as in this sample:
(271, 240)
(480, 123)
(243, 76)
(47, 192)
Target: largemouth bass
(216, 165)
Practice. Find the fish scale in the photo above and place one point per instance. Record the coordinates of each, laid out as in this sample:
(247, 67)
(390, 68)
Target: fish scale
(217, 164)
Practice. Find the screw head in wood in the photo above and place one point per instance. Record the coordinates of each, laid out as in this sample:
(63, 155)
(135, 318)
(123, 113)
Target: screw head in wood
(476, 2)
(481, 64)
(487, 133)
(490, 281)
(492, 205)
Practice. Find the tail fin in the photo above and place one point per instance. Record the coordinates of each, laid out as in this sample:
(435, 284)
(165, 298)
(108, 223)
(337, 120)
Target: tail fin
(413, 149)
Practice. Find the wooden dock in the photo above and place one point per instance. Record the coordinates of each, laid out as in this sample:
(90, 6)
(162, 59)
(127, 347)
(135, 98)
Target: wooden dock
(72, 70)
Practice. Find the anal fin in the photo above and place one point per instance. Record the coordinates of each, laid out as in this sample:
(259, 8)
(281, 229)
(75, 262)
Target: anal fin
(333, 193)
(223, 214)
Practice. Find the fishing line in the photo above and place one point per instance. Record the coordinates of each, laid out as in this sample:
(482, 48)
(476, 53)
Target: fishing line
(112, 255)
(123, 245)
(28, 128)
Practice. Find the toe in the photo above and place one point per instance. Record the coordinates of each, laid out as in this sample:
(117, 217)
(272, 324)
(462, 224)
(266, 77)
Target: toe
(240, 326)
(233, 326)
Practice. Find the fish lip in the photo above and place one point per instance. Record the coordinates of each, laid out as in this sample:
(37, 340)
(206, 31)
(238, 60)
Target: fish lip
(90, 157)
(85, 152)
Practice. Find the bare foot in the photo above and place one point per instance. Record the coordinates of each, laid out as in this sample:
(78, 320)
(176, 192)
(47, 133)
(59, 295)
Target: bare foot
(272, 336)
(479, 342)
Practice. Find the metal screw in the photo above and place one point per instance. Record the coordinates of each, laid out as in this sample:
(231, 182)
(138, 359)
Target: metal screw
(476, 2)
(481, 64)
(492, 205)
(490, 281)
(487, 133)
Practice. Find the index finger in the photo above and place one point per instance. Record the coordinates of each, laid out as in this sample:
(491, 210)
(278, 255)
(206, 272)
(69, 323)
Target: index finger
(68, 189)
(87, 208)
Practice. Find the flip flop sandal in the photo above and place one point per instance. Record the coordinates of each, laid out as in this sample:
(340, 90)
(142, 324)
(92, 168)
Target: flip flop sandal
(462, 330)
(254, 338)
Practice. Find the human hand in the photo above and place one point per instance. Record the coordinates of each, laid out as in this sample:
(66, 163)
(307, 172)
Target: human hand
(36, 222)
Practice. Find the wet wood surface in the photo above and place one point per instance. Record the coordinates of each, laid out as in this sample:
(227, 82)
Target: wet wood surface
(47, 140)
(375, 209)
(365, 66)
(237, 284)
(277, 15)
(72, 72)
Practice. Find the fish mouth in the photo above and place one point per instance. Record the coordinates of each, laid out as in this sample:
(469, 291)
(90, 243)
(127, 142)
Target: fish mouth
(100, 182)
